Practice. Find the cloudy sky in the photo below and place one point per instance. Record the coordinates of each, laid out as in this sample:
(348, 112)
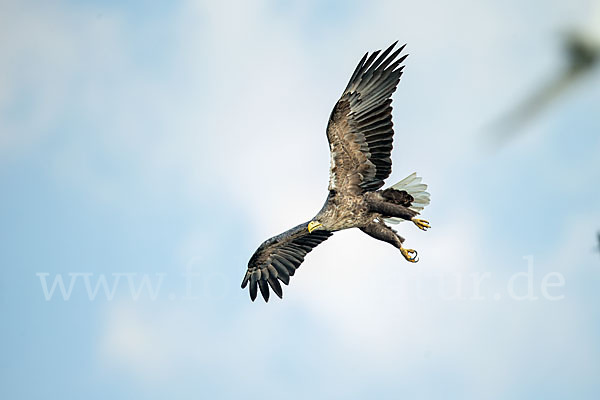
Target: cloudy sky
(153, 147)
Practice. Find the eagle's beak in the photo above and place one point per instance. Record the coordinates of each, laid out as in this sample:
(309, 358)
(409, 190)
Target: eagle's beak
(313, 225)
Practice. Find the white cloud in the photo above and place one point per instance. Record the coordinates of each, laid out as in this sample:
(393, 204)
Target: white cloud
(266, 113)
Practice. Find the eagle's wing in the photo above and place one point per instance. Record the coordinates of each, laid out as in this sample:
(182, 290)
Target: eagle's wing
(360, 126)
(279, 257)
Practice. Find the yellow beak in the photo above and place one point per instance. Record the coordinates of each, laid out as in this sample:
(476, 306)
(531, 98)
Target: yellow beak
(313, 225)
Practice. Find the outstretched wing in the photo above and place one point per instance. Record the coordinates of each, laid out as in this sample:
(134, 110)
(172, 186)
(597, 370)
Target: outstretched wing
(278, 258)
(360, 126)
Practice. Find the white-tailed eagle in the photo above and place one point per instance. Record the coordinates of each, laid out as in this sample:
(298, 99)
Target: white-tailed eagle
(360, 141)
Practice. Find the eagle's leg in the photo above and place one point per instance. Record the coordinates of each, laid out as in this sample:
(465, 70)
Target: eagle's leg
(389, 209)
(381, 231)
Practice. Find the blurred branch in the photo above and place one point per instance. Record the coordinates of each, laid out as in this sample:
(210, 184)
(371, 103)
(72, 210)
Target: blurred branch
(583, 53)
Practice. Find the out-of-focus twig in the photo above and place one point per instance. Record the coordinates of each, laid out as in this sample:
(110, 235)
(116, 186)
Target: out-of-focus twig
(583, 54)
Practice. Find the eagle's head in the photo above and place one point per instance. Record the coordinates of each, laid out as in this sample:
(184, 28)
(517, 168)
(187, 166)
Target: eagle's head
(315, 226)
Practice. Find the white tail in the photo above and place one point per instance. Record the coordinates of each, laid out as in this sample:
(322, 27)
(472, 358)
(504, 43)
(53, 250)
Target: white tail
(413, 186)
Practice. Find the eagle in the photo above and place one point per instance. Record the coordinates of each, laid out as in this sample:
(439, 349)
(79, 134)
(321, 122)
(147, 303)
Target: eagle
(360, 134)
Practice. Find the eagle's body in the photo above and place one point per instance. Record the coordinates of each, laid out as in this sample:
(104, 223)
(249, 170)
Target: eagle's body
(360, 141)
(344, 211)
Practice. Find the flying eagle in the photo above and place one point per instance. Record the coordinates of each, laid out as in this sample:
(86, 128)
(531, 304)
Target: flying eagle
(360, 142)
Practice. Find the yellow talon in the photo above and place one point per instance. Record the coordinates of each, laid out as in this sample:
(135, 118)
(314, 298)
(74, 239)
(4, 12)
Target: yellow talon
(421, 224)
(409, 254)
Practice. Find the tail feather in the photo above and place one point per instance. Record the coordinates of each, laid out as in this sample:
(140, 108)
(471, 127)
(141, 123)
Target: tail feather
(413, 186)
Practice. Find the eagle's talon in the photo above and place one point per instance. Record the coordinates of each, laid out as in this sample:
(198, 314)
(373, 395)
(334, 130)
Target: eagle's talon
(421, 224)
(409, 254)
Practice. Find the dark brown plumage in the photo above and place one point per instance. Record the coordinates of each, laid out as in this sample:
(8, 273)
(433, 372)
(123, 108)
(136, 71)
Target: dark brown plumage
(279, 257)
(360, 134)
(398, 197)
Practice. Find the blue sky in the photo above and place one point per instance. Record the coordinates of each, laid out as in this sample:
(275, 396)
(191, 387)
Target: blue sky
(158, 141)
